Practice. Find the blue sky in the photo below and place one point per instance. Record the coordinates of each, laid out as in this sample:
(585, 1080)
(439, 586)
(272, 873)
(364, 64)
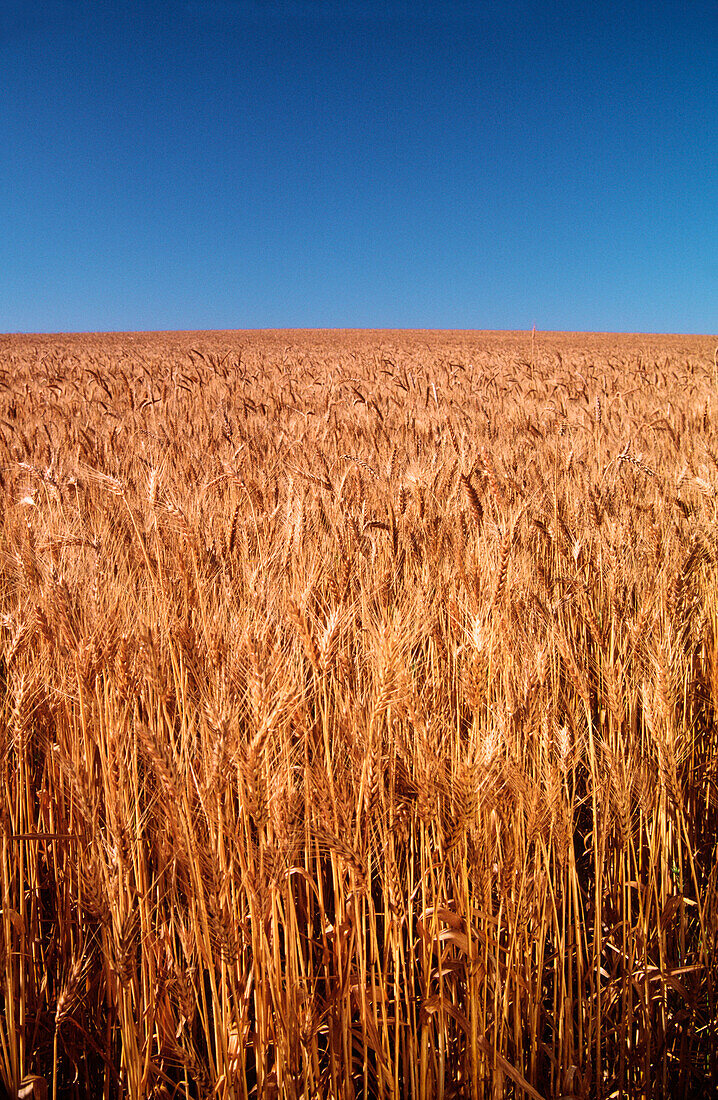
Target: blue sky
(208, 164)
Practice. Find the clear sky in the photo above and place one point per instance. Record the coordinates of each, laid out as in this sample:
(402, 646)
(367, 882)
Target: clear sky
(196, 164)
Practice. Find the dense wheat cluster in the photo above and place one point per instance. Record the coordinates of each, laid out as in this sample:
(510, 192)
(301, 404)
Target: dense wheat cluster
(358, 716)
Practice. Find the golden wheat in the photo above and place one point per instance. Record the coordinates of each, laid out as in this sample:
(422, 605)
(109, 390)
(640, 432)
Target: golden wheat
(358, 716)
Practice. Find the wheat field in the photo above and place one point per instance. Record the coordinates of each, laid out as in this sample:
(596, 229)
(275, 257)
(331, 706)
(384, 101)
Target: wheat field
(358, 716)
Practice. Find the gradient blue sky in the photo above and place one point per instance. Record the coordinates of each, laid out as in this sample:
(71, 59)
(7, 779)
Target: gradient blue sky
(308, 163)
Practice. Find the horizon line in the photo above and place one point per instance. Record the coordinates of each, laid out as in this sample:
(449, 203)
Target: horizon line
(352, 329)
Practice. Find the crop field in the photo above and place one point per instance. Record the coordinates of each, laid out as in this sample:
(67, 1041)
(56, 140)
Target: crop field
(358, 716)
